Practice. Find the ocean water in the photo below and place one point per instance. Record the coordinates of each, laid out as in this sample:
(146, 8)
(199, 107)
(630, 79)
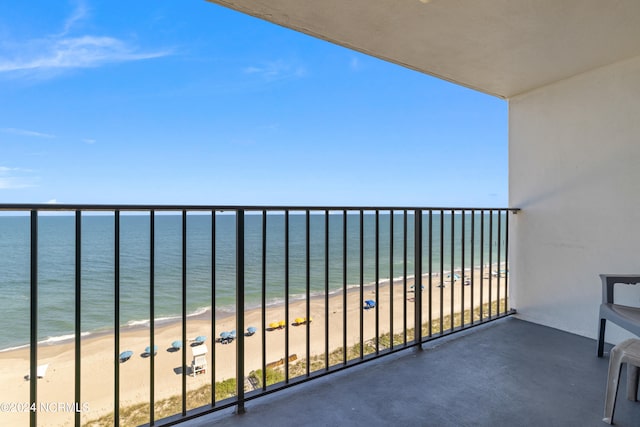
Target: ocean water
(57, 269)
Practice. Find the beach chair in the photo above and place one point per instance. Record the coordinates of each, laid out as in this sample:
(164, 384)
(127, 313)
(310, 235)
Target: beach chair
(368, 304)
(40, 372)
(199, 361)
(622, 315)
(224, 337)
(274, 325)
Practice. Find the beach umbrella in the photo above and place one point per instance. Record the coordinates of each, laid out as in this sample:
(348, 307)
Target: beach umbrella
(282, 324)
(299, 321)
(200, 339)
(125, 355)
(148, 349)
(232, 334)
(251, 330)
(177, 344)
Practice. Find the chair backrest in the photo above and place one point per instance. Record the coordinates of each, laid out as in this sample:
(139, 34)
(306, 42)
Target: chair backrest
(609, 280)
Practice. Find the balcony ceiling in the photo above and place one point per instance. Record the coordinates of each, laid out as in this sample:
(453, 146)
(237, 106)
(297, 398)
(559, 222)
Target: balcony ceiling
(500, 47)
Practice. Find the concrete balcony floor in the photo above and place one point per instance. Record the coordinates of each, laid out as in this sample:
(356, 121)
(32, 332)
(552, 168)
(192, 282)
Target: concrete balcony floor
(506, 373)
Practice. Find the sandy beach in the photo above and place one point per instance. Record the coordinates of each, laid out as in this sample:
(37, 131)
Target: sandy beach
(56, 389)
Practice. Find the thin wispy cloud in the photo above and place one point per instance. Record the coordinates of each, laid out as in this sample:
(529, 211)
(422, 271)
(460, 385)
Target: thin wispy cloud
(24, 132)
(276, 70)
(15, 178)
(59, 52)
(70, 53)
(79, 13)
(89, 141)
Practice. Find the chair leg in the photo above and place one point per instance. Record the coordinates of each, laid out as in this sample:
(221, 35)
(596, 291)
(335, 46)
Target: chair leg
(613, 381)
(632, 382)
(603, 323)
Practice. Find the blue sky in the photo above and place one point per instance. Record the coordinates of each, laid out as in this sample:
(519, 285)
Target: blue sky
(190, 103)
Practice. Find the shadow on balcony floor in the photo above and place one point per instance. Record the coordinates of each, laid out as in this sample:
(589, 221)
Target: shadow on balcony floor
(507, 373)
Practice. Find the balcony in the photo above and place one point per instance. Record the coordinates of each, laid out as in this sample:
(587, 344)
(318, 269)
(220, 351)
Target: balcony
(507, 373)
(312, 285)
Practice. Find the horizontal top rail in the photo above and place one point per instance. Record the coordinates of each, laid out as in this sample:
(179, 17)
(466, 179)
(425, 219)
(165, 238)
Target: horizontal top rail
(133, 208)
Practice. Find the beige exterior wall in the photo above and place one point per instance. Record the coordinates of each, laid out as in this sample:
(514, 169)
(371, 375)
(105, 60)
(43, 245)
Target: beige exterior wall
(574, 169)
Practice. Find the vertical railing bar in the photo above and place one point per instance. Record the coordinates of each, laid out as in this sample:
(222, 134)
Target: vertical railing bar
(452, 274)
(490, 261)
(506, 260)
(430, 292)
(441, 285)
(33, 338)
(116, 316)
(441, 271)
(152, 366)
(498, 268)
(286, 295)
(404, 274)
(184, 312)
(377, 255)
(240, 235)
(213, 307)
(472, 262)
(462, 269)
(482, 243)
(326, 289)
(391, 290)
(417, 282)
(78, 326)
(264, 300)
(362, 284)
(344, 286)
(308, 289)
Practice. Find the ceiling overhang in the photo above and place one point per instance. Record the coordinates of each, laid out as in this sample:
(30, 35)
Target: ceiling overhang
(500, 47)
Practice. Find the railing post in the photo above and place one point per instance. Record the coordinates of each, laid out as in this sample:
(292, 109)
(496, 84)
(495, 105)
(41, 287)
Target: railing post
(152, 315)
(78, 328)
(417, 285)
(33, 361)
(116, 317)
(240, 310)
(184, 313)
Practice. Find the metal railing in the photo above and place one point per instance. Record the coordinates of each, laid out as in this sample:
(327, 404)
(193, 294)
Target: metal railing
(431, 271)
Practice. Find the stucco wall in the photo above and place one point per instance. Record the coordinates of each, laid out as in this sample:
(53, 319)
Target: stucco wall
(574, 169)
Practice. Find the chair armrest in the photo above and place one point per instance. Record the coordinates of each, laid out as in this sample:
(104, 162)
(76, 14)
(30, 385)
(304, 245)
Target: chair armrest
(608, 280)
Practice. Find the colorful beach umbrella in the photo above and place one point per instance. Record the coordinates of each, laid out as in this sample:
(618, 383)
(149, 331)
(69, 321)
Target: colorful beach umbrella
(148, 349)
